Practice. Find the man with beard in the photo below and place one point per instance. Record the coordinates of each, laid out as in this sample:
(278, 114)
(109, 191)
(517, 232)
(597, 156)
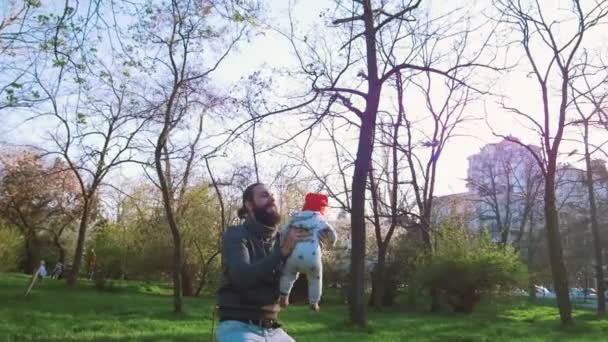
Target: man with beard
(254, 254)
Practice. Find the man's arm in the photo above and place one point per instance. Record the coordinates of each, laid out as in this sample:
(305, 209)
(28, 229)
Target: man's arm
(242, 271)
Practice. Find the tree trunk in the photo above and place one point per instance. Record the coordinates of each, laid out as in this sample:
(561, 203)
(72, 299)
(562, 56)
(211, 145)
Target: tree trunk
(29, 263)
(531, 285)
(167, 203)
(220, 197)
(177, 263)
(379, 280)
(201, 284)
(428, 246)
(177, 256)
(530, 259)
(72, 277)
(558, 268)
(595, 229)
(205, 272)
(531, 289)
(187, 279)
(362, 166)
(60, 249)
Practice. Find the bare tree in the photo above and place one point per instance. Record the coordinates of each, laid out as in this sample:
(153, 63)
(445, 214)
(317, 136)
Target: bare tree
(83, 95)
(589, 105)
(22, 37)
(537, 31)
(389, 191)
(94, 137)
(370, 53)
(181, 36)
(507, 180)
(388, 198)
(446, 102)
(226, 206)
(529, 186)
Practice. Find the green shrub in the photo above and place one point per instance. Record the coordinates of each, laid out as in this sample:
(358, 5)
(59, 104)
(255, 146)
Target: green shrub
(137, 255)
(464, 266)
(11, 247)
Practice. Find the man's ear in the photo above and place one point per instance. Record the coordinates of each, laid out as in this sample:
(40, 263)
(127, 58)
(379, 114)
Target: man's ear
(249, 205)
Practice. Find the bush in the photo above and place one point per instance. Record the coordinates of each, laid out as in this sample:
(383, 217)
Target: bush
(465, 266)
(11, 246)
(138, 255)
(109, 252)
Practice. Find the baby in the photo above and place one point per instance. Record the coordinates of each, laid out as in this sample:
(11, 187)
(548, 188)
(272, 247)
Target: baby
(306, 257)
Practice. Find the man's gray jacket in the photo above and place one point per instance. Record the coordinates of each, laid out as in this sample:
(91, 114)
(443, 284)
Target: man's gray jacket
(252, 269)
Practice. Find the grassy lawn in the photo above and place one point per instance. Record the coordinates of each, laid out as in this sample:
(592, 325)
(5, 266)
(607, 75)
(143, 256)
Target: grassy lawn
(140, 312)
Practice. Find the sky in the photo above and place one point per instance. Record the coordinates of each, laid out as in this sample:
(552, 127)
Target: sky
(521, 90)
(267, 49)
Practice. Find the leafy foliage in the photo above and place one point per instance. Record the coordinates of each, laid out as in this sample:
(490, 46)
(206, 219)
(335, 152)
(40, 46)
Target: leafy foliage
(466, 265)
(10, 248)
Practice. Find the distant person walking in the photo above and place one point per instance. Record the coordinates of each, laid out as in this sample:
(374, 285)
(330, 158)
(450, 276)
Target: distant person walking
(40, 273)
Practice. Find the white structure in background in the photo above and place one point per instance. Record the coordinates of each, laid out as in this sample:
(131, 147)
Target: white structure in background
(505, 186)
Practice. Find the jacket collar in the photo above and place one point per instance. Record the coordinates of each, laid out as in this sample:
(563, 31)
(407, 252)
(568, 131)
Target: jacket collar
(259, 229)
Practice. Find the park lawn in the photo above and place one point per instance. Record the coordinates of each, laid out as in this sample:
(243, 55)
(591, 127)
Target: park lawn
(136, 311)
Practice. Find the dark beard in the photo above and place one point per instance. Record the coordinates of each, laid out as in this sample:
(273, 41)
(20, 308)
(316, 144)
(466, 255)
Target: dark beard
(264, 217)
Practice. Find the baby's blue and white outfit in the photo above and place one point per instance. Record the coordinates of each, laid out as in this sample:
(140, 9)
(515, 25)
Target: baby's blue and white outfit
(306, 256)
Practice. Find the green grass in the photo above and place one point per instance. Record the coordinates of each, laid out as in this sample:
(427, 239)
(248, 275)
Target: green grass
(137, 311)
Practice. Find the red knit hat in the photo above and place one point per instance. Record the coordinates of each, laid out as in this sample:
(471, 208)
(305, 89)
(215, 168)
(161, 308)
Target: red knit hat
(315, 202)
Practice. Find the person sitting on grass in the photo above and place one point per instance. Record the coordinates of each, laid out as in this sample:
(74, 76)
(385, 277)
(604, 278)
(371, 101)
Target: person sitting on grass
(57, 271)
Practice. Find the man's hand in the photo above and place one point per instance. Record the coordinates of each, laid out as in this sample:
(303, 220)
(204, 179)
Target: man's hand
(327, 237)
(293, 236)
(324, 238)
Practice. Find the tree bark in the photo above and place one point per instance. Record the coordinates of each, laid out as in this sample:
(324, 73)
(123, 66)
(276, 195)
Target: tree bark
(167, 203)
(530, 259)
(558, 268)
(187, 279)
(29, 264)
(595, 229)
(362, 166)
(379, 279)
(60, 249)
(220, 197)
(201, 284)
(428, 247)
(206, 268)
(72, 276)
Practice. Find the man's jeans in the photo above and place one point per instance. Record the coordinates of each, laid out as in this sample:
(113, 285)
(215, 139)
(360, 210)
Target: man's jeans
(237, 331)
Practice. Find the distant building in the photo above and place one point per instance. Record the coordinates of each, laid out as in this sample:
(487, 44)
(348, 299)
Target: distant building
(505, 187)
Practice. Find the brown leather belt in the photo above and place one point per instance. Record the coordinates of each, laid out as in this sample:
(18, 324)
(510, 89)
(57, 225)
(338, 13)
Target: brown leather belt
(267, 323)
